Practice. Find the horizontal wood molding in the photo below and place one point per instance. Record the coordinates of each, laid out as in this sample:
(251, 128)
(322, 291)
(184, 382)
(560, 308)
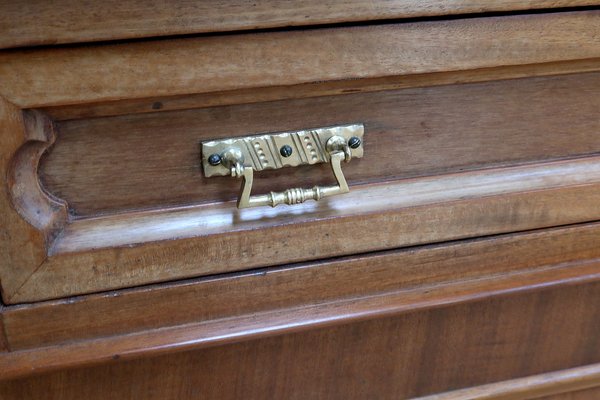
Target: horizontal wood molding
(120, 251)
(404, 355)
(217, 332)
(529, 388)
(409, 133)
(255, 95)
(388, 197)
(67, 21)
(75, 75)
(22, 246)
(80, 258)
(256, 291)
(225, 309)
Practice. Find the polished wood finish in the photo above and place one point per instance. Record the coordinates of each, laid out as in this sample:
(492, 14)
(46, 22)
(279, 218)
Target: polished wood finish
(44, 23)
(575, 383)
(506, 200)
(120, 250)
(74, 255)
(223, 309)
(245, 96)
(409, 133)
(589, 394)
(463, 263)
(77, 74)
(408, 355)
(86, 255)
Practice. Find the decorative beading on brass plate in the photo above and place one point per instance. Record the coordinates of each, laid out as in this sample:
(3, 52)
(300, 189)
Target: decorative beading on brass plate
(240, 157)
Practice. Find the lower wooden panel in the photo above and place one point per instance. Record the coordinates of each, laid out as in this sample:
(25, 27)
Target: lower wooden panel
(398, 357)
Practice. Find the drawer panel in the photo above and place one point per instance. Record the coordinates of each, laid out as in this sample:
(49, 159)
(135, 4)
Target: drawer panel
(115, 164)
(104, 187)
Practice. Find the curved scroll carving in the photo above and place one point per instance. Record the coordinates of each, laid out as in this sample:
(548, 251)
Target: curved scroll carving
(29, 218)
(37, 207)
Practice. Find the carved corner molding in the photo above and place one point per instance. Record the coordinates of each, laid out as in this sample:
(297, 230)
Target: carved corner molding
(30, 218)
(39, 208)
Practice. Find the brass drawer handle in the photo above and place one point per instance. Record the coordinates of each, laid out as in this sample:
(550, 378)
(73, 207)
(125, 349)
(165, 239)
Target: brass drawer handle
(240, 157)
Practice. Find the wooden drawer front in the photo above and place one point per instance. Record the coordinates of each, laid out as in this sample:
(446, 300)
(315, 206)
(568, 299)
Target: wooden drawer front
(115, 164)
(105, 188)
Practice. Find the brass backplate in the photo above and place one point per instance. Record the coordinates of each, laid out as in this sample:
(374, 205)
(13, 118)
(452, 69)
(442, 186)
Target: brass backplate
(263, 151)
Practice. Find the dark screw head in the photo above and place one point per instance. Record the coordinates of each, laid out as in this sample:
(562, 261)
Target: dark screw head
(354, 142)
(286, 150)
(214, 159)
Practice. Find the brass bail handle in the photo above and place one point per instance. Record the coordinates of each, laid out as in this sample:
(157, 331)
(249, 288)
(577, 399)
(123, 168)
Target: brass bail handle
(338, 151)
(241, 157)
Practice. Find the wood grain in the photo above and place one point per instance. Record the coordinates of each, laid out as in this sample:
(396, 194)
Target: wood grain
(22, 246)
(88, 317)
(415, 132)
(412, 354)
(3, 339)
(588, 394)
(553, 384)
(245, 96)
(261, 237)
(210, 219)
(226, 240)
(68, 21)
(78, 74)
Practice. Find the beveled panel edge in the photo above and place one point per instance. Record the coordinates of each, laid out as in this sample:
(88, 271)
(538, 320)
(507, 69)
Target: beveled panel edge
(229, 330)
(530, 387)
(133, 228)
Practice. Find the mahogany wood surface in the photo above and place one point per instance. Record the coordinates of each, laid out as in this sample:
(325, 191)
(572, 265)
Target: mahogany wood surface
(22, 246)
(589, 394)
(211, 311)
(67, 21)
(510, 200)
(244, 96)
(74, 256)
(411, 132)
(464, 263)
(120, 250)
(3, 340)
(85, 74)
(575, 383)
(59, 321)
(403, 356)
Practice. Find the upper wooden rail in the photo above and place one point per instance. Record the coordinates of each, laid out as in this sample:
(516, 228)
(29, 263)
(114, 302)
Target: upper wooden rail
(40, 22)
(84, 74)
